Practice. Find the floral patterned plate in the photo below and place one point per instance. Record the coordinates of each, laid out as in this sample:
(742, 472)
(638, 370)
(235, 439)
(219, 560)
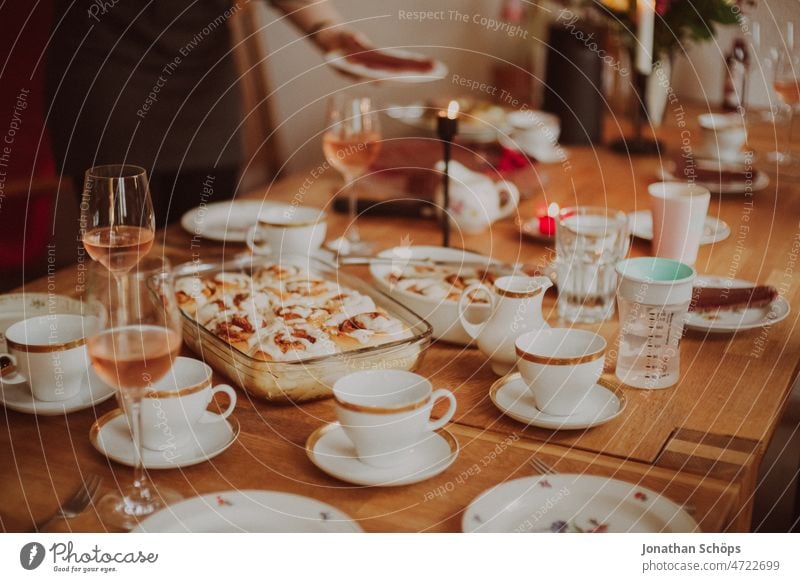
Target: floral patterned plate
(567, 503)
(249, 511)
(733, 320)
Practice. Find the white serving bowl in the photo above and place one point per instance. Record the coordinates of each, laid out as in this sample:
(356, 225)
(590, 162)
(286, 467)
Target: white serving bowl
(441, 314)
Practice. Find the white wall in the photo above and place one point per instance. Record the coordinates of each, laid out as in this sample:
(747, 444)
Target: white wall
(303, 82)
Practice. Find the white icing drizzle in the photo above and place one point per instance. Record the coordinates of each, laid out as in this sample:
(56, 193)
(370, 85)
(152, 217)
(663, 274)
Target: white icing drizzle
(293, 314)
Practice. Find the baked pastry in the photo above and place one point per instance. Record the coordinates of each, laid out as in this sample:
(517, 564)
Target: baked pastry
(285, 313)
(439, 282)
(724, 298)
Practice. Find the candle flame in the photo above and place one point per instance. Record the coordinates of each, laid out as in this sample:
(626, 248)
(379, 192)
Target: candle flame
(452, 110)
(553, 209)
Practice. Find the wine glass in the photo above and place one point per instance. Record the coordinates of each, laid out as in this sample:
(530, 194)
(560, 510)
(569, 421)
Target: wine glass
(132, 343)
(351, 143)
(117, 218)
(786, 75)
(787, 86)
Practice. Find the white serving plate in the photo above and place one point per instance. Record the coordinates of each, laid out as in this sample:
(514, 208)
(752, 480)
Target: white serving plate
(249, 511)
(564, 502)
(442, 315)
(337, 60)
(226, 221)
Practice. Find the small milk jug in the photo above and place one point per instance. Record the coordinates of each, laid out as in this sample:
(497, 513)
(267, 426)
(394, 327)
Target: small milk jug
(516, 308)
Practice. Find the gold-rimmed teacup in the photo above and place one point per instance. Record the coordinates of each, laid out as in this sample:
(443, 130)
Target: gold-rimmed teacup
(49, 351)
(288, 230)
(560, 366)
(173, 409)
(386, 413)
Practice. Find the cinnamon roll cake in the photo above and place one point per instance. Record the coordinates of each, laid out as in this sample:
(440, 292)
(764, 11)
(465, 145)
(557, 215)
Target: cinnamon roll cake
(285, 313)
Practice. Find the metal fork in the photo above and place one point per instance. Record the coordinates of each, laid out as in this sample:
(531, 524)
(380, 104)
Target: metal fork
(74, 506)
(541, 467)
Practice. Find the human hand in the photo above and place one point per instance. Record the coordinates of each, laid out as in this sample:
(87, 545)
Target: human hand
(344, 39)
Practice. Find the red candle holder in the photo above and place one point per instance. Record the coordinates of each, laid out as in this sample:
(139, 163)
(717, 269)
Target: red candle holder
(547, 220)
(547, 225)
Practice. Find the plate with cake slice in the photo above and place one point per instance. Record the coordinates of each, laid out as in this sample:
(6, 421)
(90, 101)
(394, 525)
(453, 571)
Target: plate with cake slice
(727, 178)
(388, 65)
(726, 305)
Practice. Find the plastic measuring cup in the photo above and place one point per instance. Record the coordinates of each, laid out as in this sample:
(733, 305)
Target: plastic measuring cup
(653, 298)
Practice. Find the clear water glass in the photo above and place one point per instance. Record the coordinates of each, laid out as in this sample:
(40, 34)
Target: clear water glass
(590, 241)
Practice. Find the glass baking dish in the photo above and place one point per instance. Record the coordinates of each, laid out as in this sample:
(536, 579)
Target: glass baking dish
(310, 378)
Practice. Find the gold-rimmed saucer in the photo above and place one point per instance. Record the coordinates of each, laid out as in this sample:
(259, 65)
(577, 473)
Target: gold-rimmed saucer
(111, 436)
(332, 452)
(512, 397)
(15, 394)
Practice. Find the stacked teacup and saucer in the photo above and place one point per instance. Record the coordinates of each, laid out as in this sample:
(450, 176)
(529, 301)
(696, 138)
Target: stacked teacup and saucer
(384, 435)
(46, 368)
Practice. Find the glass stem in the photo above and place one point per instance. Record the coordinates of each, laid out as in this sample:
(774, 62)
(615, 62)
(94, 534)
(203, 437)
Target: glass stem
(353, 235)
(788, 148)
(140, 481)
(120, 280)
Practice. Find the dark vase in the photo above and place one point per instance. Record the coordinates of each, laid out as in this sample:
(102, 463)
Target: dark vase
(574, 88)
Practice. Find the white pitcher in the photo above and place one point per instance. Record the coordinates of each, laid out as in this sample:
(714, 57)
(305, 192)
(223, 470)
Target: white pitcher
(516, 308)
(476, 201)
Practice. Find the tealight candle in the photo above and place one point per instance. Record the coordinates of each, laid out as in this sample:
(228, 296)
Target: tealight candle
(547, 221)
(447, 122)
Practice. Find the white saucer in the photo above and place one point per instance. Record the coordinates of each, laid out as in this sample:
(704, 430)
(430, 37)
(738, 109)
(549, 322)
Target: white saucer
(249, 511)
(15, 394)
(511, 395)
(545, 154)
(331, 451)
(641, 224)
(337, 60)
(733, 320)
(111, 436)
(226, 221)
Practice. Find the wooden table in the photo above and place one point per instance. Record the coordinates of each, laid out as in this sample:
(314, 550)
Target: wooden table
(699, 443)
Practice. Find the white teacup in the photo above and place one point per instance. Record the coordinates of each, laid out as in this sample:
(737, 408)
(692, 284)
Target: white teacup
(386, 413)
(724, 135)
(288, 230)
(50, 352)
(476, 201)
(560, 367)
(534, 131)
(173, 407)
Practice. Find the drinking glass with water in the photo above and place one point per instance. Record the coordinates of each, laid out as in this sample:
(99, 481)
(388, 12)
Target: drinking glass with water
(590, 241)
